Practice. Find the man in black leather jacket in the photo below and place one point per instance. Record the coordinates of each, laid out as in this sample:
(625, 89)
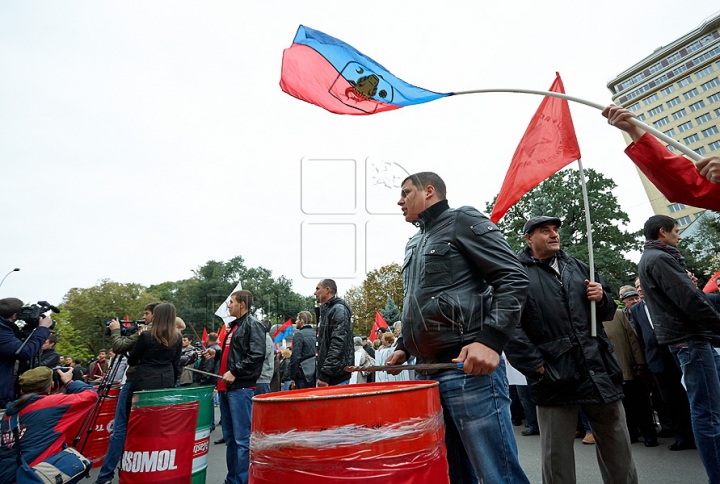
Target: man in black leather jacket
(335, 336)
(565, 366)
(241, 359)
(463, 293)
(303, 348)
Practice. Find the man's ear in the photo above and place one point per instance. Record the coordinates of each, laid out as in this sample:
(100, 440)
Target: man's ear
(429, 192)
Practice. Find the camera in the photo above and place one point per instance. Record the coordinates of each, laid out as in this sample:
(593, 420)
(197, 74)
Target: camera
(31, 314)
(126, 327)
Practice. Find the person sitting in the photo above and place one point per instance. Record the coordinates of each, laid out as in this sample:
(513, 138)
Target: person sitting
(47, 422)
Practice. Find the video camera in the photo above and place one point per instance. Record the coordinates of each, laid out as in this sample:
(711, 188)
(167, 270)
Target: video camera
(31, 314)
(126, 327)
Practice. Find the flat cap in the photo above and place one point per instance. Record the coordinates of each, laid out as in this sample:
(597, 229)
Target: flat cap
(536, 222)
(36, 379)
(629, 294)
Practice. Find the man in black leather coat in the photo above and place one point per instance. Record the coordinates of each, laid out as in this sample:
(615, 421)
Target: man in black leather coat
(335, 336)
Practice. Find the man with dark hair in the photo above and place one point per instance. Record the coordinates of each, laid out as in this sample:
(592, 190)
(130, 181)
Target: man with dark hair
(47, 422)
(98, 367)
(686, 322)
(241, 358)
(121, 346)
(464, 290)
(10, 342)
(48, 356)
(566, 367)
(335, 336)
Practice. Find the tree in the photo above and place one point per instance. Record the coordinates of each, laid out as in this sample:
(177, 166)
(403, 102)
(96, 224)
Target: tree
(701, 249)
(370, 296)
(561, 196)
(391, 313)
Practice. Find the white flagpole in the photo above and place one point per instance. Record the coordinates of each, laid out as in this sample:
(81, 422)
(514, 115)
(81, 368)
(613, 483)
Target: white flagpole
(658, 134)
(591, 258)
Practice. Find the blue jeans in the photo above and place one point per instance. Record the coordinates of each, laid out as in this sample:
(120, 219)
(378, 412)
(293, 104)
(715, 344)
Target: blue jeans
(700, 365)
(235, 413)
(262, 388)
(478, 429)
(117, 439)
(285, 386)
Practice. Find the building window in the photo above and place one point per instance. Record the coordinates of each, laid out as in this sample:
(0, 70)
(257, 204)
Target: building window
(668, 90)
(684, 82)
(698, 105)
(663, 121)
(673, 101)
(685, 126)
(717, 112)
(670, 148)
(704, 72)
(703, 119)
(691, 93)
(682, 221)
(714, 98)
(634, 107)
(670, 132)
(710, 131)
(679, 114)
(714, 146)
(656, 110)
(676, 207)
(710, 84)
(701, 150)
(651, 99)
(693, 138)
(641, 117)
(697, 215)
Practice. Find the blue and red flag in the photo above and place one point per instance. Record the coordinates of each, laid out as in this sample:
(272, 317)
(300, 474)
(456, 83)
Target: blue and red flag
(325, 71)
(283, 331)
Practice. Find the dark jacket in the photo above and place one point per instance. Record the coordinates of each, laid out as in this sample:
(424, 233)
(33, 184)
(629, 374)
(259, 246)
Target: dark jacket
(658, 356)
(679, 310)
(247, 351)
(49, 358)
(46, 423)
(157, 366)
(285, 370)
(211, 365)
(554, 332)
(9, 343)
(303, 347)
(335, 341)
(462, 284)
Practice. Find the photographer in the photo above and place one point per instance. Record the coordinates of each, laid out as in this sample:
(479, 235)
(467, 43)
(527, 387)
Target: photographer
(10, 343)
(46, 421)
(48, 356)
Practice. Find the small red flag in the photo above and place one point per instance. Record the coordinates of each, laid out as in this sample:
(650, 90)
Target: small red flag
(379, 323)
(204, 337)
(549, 144)
(711, 285)
(221, 334)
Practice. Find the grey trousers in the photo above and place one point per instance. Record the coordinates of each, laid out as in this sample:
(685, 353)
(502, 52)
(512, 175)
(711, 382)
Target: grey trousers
(612, 440)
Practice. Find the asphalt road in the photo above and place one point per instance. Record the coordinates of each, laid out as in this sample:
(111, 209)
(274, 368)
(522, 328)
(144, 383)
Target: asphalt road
(655, 465)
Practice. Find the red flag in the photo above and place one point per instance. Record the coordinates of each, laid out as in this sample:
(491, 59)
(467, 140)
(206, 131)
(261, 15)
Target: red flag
(379, 323)
(711, 285)
(204, 337)
(221, 334)
(548, 144)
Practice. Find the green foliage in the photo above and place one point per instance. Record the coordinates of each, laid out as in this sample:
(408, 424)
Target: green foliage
(370, 296)
(391, 313)
(702, 250)
(561, 196)
(71, 341)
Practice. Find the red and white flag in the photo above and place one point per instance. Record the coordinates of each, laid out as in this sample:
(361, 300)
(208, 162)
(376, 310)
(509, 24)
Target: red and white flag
(379, 323)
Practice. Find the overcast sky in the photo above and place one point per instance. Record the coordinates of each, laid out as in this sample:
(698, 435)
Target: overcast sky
(139, 140)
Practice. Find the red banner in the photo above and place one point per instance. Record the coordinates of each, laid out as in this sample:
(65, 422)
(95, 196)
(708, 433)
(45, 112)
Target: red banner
(159, 444)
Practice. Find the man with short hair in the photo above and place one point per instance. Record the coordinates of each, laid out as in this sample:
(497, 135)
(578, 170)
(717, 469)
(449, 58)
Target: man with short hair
(567, 368)
(47, 422)
(48, 355)
(190, 354)
(10, 343)
(686, 322)
(463, 293)
(78, 371)
(68, 361)
(335, 336)
(98, 367)
(241, 359)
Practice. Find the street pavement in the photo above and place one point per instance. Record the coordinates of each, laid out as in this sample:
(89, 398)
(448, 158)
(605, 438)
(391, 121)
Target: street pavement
(656, 465)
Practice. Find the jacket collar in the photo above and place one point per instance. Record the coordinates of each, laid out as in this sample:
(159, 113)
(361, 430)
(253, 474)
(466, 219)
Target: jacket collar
(240, 320)
(428, 216)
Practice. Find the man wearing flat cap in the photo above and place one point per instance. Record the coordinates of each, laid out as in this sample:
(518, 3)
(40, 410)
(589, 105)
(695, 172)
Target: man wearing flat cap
(567, 369)
(46, 421)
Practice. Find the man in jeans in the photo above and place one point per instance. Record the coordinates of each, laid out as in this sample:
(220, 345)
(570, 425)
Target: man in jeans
(241, 360)
(121, 346)
(464, 290)
(686, 322)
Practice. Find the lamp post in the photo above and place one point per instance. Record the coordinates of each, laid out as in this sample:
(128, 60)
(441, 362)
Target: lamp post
(14, 270)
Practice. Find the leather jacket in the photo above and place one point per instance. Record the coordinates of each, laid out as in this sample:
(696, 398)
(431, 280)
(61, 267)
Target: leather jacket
(462, 284)
(247, 352)
(302, 349)
(335, 341)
